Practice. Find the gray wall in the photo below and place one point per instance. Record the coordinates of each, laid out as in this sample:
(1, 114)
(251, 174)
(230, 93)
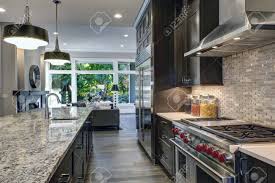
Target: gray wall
(8, 76)
(14, 73)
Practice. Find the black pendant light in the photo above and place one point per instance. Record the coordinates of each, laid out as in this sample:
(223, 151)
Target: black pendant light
(57, 57)
(26, 36)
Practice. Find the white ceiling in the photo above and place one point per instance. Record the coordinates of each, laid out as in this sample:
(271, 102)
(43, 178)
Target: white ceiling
(77, 22)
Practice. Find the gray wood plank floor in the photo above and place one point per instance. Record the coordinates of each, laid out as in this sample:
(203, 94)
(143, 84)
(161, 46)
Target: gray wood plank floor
(117, 158)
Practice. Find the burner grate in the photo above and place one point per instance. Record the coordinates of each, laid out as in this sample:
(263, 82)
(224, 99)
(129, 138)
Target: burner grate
(245, 133)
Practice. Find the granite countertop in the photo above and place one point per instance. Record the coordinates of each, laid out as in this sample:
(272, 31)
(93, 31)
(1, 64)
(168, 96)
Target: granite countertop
(262, 151)
(172, 116)
(32, 147)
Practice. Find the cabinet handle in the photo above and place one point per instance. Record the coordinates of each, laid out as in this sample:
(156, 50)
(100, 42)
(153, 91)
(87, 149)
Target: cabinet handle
(65, 178)
(79, 146)
(164, 122)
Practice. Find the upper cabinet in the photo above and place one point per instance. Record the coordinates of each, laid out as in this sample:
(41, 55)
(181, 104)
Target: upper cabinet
(180, 45)
(202, 18)
(144, 30)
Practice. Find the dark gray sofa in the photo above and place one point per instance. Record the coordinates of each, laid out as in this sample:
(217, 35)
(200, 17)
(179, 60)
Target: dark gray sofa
(105, 118)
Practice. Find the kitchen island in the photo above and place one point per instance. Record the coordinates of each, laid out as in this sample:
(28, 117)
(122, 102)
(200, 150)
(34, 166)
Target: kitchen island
(32, 148)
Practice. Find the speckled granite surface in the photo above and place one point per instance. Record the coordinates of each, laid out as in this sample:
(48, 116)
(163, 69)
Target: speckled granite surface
(31, 147)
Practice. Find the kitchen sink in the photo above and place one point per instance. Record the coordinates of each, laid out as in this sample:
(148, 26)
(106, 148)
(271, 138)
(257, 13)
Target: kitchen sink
(62, 118)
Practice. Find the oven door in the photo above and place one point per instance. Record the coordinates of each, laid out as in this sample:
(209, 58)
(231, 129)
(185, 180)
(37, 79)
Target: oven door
(193, 167)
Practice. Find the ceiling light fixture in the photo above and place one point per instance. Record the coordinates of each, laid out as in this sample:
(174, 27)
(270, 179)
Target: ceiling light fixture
(122, 45)
(2, 10)
(57, 57)
(26, 36)
(118, 16)
(126, 35)
(55, 33)
(237, 38)
(199, 53)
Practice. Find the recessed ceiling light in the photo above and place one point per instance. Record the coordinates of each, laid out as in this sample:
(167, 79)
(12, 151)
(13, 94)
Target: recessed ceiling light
(65, 44)
(118, 16)
(55, 33)
(214, 47)
(122, 45)
(237, 38)
(199, 53)
(2, 10)
(126, 35)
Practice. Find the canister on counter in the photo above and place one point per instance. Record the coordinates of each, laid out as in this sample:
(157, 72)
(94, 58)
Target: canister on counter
(209, 107)
(195, 108)
(187, 105)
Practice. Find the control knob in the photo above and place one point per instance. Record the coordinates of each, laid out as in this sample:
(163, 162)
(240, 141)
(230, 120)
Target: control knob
(175, 131)
(199, 148)
(187, 140)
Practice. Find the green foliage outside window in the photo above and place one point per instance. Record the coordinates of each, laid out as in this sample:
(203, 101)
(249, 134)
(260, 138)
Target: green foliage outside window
(61, 82)
(95, 67)
(90, 84)
(123, 84)
(61, 67)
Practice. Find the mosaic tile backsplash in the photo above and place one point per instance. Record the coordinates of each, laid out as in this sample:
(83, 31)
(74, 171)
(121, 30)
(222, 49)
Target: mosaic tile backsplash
(249, 86)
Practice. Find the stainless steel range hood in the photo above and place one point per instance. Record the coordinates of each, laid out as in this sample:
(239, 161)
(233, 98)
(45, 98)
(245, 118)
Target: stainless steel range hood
(251, 26)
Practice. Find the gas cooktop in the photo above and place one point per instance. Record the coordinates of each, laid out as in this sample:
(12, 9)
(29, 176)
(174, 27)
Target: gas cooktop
(244, 133)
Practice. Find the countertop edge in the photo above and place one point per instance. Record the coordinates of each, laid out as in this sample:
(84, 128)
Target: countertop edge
(255, 155)
(66, 151)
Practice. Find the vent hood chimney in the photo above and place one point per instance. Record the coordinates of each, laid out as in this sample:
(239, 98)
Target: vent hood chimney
(252, 25)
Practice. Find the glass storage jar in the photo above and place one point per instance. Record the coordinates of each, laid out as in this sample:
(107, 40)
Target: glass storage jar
(187, 105)
(195, 108)
(209, 107)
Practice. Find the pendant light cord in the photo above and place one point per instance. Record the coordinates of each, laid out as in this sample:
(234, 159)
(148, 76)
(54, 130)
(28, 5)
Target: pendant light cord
(27, 14)
(56, 24)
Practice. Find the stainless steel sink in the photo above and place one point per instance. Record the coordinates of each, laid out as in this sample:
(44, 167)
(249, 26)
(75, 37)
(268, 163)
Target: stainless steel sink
(62, 118)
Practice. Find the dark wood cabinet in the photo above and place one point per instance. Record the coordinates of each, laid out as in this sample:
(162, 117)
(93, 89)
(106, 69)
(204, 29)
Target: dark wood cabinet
(203, 71)
(181, 65)
(144, 31)
(74, 165)
(250, 166)
(165, 149)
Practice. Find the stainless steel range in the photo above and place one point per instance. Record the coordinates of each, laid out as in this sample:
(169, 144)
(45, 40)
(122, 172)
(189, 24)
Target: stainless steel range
(202, 157)
(206, 149)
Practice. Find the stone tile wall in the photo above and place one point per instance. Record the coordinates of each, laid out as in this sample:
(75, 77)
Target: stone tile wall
(249, 86)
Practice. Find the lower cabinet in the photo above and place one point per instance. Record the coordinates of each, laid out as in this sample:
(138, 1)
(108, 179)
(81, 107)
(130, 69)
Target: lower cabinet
(73, 168)
(165, 149)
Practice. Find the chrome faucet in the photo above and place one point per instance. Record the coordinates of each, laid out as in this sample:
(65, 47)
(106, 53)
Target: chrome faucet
(47, 112)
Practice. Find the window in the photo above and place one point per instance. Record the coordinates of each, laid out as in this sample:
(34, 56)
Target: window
(61, 67)
(61, 85)
(94, 87)
(124, 86)
(95, 67)
(92, 80)
(126, 66)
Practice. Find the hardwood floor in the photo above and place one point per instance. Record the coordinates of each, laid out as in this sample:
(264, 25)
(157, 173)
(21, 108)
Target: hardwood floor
(117, 158)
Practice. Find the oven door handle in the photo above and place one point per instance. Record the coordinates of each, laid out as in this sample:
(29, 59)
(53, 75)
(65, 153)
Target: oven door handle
(226, 178)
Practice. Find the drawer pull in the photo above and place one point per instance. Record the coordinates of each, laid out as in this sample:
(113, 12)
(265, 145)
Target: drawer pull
(79, 146)
(65, 178)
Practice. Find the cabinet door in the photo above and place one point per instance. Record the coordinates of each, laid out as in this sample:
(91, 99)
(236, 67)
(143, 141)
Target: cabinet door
(64, 173)
(79, 158)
